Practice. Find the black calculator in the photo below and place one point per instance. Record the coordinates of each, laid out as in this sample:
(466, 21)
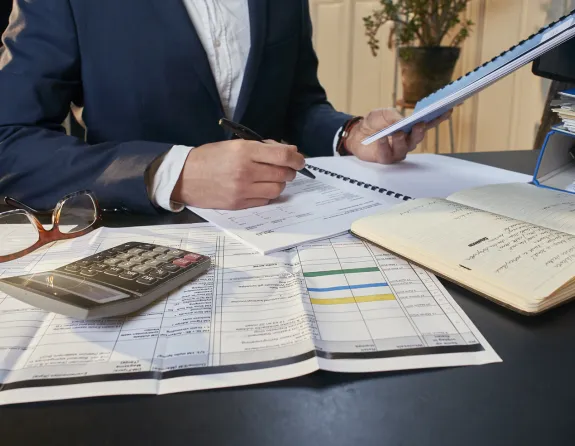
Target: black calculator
(114, 282)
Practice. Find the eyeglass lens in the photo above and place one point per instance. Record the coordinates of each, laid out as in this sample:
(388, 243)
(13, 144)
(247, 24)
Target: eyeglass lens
(17, 233)
(78, 213)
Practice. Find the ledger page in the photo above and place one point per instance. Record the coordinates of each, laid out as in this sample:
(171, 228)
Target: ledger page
(339, 304)
(240, 323)
(526, 202)
(372, 311)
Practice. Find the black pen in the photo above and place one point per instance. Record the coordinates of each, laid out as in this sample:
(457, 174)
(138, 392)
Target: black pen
(243, 132)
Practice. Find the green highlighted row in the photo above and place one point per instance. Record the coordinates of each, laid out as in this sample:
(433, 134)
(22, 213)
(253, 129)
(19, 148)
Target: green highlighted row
(334, 272)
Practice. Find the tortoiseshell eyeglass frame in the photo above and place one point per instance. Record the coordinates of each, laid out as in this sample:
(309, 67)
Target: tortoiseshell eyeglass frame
(53, 234)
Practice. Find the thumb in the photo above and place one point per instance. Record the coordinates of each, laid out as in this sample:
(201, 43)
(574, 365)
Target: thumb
(382, 118)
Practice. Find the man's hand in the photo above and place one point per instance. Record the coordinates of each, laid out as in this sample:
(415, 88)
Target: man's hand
(393, 148)
(236, 174)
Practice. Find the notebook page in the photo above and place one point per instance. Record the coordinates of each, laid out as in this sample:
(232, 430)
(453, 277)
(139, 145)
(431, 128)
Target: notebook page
(420, 175)
(522, 258)
(525, 202)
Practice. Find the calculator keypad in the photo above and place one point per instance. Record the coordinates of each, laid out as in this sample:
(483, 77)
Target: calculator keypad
(135, 267)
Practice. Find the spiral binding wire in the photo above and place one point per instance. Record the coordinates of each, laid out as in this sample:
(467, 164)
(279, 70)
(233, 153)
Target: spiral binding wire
(358, 183)
(545, 28)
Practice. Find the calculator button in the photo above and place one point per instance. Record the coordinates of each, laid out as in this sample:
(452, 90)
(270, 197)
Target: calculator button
(193, 257)
(138, 259)
(72, 268)
(147, 280)
(166, 258)
(112, 262)
(124, 256)
(114, 271)
(171, 268)
(129, 275)
(150, 255)
(125, 265)
(154, 263)
(99, 267)
(89, 272)
(182, 262)
(146, 247)
(160, 250)
(117, 250)
(175, 252)
(99, 257)
(142, 268)
(135, 251)
(129, 245)
(83, 263)
(159, 273)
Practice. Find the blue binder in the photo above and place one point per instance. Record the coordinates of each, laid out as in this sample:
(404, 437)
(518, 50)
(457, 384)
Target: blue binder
(471, 83)
(555, 167)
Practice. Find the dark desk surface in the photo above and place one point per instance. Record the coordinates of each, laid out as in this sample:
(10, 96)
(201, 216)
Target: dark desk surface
(525, 400)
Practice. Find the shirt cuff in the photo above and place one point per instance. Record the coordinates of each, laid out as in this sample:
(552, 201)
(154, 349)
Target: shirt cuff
(163, 176)
(335, 139)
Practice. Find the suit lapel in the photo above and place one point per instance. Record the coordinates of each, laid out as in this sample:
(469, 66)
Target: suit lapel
(177, 20)
(258, 24)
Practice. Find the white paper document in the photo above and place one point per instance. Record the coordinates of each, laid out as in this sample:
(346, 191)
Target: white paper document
(347, 189)
(339, 305)
(307, 210)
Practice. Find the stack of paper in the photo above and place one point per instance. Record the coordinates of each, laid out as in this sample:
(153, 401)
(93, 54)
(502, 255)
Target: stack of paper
(565, 109)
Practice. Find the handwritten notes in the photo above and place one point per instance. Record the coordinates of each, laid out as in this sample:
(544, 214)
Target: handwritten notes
(510, 253)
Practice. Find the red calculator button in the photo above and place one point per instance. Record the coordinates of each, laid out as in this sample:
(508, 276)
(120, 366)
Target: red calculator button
(192, 257)
(182, 262)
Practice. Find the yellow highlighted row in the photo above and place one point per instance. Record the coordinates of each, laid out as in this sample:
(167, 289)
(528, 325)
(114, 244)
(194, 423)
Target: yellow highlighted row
(353, 300)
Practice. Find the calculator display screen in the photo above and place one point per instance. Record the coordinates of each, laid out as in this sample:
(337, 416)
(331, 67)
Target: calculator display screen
(55, 283)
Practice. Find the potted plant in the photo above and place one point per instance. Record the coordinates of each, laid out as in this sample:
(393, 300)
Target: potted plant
(421, 28)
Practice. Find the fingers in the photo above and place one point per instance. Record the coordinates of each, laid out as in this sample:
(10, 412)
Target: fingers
(277, 155)
(439, 120)
(381, 118)
(416, 136)
(269, 191)
(268, 173)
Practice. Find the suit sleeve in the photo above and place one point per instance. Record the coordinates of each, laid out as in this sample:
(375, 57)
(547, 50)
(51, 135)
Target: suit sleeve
(313, 122)
(39, 78)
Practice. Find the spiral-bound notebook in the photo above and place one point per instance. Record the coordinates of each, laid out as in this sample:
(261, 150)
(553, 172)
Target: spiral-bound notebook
(490, 72)
(345, 190)
(419, 176)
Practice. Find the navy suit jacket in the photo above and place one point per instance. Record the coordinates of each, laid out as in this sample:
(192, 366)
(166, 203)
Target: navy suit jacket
(140, 71)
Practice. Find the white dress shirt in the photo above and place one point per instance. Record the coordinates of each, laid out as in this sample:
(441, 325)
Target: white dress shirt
(223, 27)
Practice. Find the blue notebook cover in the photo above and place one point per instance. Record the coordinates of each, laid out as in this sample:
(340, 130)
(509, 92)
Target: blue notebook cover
(568, 93)
(558, 31)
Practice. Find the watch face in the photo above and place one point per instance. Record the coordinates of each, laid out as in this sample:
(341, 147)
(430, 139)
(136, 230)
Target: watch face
(69, 289)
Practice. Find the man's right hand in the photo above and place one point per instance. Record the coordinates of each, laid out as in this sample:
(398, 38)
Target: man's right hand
(236, 174)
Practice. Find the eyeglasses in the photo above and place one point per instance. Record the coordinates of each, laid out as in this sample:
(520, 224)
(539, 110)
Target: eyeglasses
(21, 232)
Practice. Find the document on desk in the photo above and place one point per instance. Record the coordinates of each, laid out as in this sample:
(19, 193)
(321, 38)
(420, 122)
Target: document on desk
(306, 211)
(339, 304)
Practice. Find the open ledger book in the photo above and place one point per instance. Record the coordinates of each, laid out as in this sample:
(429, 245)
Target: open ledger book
(512, 243)
(341, 305)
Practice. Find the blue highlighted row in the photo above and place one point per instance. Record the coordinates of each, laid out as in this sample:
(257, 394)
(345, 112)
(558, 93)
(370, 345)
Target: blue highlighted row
(349, 287)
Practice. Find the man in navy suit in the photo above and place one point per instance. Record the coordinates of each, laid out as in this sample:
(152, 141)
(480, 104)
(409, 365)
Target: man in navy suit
(153, 78)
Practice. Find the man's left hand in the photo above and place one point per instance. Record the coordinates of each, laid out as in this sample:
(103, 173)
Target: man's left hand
(390, 149)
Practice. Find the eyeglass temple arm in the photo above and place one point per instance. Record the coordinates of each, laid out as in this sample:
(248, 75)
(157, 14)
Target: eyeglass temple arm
(19, 205)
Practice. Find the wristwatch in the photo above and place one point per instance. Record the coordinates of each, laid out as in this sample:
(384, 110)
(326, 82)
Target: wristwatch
(344, 134)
